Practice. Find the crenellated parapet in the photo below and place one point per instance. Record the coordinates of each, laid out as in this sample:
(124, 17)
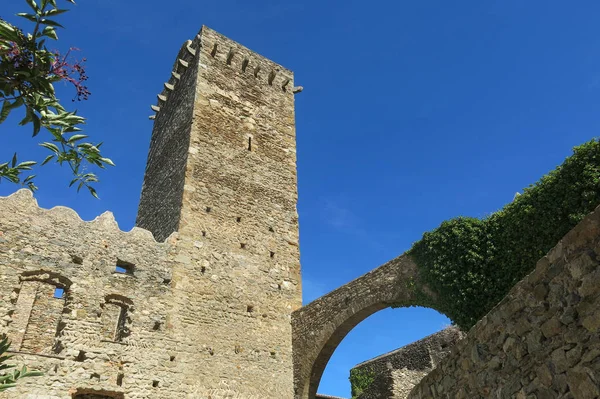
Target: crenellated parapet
(82, 298)
(232, 55)
(186, 55)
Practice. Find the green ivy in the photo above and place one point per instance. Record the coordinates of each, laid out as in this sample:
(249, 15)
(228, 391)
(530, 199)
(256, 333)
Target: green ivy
(360, 379)
(471, 264)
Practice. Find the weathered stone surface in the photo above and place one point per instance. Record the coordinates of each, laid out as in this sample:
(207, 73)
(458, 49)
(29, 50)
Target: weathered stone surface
(557, 357)
(399, 371)
(203, 313)
(320, 326)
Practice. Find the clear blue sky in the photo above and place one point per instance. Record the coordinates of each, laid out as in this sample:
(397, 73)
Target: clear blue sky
(412, 113)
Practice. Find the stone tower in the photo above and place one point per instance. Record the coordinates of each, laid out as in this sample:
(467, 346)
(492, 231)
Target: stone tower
(205, 312)
(221, 172)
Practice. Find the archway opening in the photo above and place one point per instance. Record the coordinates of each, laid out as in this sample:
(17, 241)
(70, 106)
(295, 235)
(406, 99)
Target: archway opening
(379, 334)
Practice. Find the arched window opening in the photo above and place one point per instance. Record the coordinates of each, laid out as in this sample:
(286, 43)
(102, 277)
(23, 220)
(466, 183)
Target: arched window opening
(116, 318)
(37, 323)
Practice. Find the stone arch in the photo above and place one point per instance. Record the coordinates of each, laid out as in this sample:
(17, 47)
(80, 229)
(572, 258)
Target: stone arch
(86, 393)
(319, 327)
(37, 315)
(115, 317)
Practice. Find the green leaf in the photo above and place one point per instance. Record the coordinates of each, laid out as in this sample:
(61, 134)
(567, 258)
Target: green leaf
(33, 6)
(93, 192)
(50, 32)
(55, 11)
(107, 161)
(49, 22)
(76, 137)
(13, 163)
(47, 159)
(52, 147)
(36, 125)
(28, 17)
(6, 108)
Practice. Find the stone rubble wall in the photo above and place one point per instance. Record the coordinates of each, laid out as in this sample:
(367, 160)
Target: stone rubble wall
(41, 250)
(542, 340)
(397, 372)
(206, 311)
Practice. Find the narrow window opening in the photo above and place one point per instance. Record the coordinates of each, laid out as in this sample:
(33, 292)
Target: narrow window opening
(59, 292)
(245, 64)
(272, 353)
(156, 325)
(203, 270)
(155, 384)
(95, 376)
(243, 245)
(208, 209)
(204, 234)
(271, 78)
(256, 71)
(121, 331)
(123, 267)
(272, 254)
(271, 230)
(172, 358)
(213, 53)
(166, 281)
(284, 85)
(250, 309)
(279, 287)
(238, 219)
(120, 379)
(237, 349)
(249, 143)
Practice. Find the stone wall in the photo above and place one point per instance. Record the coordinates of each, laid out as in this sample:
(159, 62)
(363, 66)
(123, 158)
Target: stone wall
(320, 326)
(161, 200)
(397, 372)
(542, 340)
(57, 274)
(205, 312)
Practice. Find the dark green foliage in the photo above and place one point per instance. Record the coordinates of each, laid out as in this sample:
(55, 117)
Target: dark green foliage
(360, 379)
(472, 263)
(9, 379)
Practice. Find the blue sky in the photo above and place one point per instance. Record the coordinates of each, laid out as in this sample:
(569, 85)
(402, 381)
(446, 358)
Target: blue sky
(412, 113)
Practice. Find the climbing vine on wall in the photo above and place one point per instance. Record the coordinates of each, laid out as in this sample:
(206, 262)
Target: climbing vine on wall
(360, 379)
(472, 263)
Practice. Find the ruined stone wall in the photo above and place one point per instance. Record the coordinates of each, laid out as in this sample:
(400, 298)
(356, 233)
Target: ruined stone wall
(204, 314)
(542, 340)
(320, 326)
(397, 372)
(58, 276)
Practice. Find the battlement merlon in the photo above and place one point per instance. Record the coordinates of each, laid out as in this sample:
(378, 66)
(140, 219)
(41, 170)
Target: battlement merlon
(232, 54)
(246, 60)
(227, 97)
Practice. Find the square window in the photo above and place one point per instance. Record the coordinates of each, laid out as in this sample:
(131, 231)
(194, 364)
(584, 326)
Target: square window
(123, 267)
(59, 293)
